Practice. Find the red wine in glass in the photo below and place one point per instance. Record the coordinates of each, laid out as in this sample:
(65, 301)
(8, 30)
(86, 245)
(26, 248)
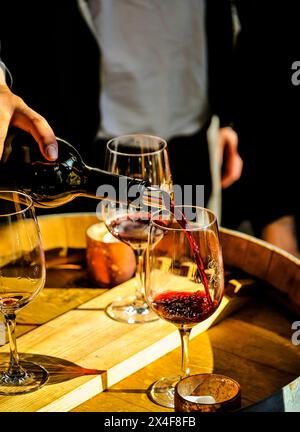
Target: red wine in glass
(132, 229)
(184, 308)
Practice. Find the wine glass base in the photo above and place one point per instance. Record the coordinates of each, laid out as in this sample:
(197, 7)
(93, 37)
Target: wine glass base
(130, 310)
(35, 377)
(162, 391)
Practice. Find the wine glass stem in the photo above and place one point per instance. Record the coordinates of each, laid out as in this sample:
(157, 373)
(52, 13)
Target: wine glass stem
(139, 292)
(185, 337)
(14, 369)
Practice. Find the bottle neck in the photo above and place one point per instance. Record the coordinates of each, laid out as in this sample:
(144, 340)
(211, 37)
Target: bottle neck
(101, 184)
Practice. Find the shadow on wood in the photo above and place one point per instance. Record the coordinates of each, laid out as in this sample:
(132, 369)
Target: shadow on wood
(59, 370)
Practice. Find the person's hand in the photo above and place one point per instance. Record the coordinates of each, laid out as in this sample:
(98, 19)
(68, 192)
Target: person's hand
(231, 162)
(15, 112)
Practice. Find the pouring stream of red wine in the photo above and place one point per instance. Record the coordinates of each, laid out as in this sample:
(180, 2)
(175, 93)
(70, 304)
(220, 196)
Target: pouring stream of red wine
(183, 223)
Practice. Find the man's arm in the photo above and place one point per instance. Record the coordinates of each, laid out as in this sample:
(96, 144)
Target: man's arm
(15, 112)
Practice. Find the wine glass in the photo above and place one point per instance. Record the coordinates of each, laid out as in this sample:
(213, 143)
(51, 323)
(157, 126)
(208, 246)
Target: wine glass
(142, 157)
(22, 276)
(184, 278)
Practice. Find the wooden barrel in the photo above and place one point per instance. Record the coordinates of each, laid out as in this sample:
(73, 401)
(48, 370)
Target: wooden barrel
(253, 346)
(67, 330)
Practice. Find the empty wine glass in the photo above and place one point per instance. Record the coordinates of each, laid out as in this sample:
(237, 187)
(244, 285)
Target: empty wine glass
(184, 278)
(22, 276)
(142, 157)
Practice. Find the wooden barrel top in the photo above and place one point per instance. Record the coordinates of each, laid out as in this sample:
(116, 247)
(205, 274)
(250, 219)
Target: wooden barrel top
(252, 345)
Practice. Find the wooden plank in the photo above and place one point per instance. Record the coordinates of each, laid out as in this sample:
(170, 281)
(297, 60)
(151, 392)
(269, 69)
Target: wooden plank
(54, 302)
(58, 301)
(257, 379)
(131, 393)
(67, 396)
(89, 338)
(259, 371)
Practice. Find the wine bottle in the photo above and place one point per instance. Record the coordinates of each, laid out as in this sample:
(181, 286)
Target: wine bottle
(51, 184)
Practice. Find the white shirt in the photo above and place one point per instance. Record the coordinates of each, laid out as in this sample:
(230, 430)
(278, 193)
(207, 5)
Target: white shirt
(154, 66)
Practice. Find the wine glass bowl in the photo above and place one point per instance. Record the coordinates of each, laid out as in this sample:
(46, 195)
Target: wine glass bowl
(128, 224)
(22, 276)
(141, 157)
(184, 277)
